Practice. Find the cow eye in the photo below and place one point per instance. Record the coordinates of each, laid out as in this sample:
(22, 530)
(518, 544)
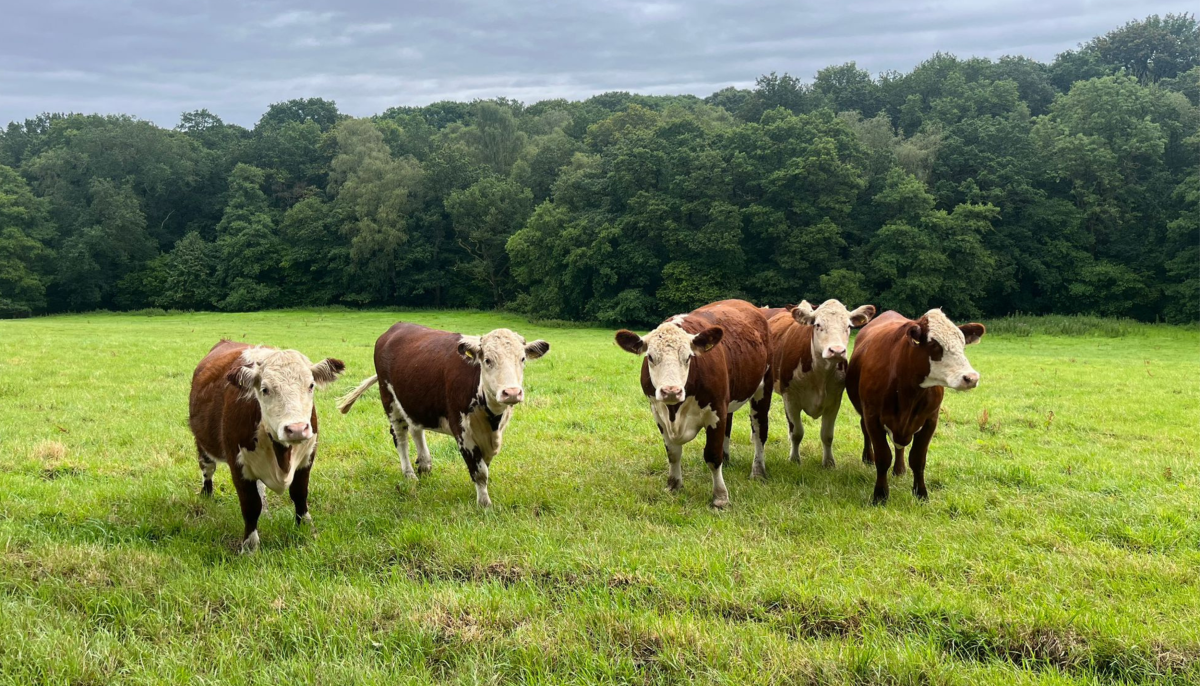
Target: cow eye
(266, 391)
(522, 360)
(311, 387)
(487, 361)
(650, 359)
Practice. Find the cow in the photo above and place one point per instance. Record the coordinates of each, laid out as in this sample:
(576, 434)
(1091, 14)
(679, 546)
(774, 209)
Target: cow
(698, 369)
(251, 407)
(808, 348)
(896, 379)
(464, 386)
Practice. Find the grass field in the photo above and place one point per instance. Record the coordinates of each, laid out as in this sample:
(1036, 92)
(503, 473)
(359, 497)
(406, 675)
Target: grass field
(1060, 545)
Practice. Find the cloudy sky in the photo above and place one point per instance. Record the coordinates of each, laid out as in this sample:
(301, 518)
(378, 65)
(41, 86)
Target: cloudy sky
(156, 59)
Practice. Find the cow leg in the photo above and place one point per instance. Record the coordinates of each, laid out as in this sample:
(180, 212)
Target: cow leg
(674, 466)
(400, 438)
(208, 467)
(828, 421)
(728, 444)
(795, 427)
(424, 459)
(252, 506)
(898, 465)
(715, 459)
(867, 457)
(478, 470)
(298, 490)
(920, 450)
(760, 410)
(883, 459)
(262, 494)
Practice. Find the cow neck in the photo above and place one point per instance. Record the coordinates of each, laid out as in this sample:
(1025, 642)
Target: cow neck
(481, 403)
(283, 452)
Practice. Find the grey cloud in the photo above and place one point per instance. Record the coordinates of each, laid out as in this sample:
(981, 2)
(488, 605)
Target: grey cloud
(158, 59)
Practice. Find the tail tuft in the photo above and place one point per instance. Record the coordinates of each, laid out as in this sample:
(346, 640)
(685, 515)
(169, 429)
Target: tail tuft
(347, 401)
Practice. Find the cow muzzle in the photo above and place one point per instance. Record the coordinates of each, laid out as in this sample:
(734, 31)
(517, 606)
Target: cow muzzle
(671, 395)
(295, 433)
(835, 352)
(512, 396)
(968, 381)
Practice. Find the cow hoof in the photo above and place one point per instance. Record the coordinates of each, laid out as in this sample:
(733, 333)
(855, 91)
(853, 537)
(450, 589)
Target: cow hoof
(879, 499)
(923, 497)
(303, 519)
(424, 468)
(674, 485)
(795, 458)
(720, 502)
(758, 473)
(868, 460)
(411, 476)
(898, 470)
(250, 545)
(828, 463)
(206, 489)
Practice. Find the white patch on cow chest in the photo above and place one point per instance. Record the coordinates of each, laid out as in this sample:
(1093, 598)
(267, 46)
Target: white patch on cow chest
(818, 390)
(477, 432)
(689, 420)
(260, 464)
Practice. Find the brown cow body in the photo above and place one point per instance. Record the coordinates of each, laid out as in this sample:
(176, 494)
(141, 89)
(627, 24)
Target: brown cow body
(229, 426)
(431, 380)
(896, 380)
(729, 366)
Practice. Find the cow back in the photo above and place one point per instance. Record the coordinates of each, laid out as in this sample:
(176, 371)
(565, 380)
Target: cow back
(423, 369)
(791, 347)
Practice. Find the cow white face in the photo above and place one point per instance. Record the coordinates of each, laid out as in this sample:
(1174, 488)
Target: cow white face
(945, 343)
(669, 351)
(501, 356)
(283, 382)
(831, 323)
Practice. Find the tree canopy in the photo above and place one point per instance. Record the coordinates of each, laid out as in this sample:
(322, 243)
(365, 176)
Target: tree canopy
(982, 186)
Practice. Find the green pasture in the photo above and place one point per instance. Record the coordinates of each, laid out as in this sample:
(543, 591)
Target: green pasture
(1060, 543)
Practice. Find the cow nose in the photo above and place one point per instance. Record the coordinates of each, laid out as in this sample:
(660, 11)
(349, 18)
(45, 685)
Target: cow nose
(971, 380)
(298, 431)
(837, 351)
(671, 393)
(512, 396)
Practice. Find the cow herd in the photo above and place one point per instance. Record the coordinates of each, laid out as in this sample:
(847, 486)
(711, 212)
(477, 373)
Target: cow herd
(252, 406)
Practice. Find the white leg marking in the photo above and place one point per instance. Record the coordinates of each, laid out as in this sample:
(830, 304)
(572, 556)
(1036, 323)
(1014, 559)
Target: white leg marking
(251, 543)
(481, 481)
(828, 420)
(675, 466)
(424, 459)
(796, 419)
(262, 494)
(720, 493)
(400, 429)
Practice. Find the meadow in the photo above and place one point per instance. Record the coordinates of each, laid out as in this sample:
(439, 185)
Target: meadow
(1060, 544)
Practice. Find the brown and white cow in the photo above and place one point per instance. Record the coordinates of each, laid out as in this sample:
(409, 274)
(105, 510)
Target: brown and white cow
(808, 349)
(252, 408)
(699, 368)
(895, 381)
(464, 386)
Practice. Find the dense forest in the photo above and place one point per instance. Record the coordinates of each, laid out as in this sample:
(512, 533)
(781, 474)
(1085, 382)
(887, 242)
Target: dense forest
(985, 187)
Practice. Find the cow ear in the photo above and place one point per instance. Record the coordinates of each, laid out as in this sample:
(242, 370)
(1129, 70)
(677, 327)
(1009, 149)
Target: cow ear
(789, 307)
(973, 332)
(470, 349)
(803, 313)
(244, 377)
(327, 371)
(630, 342)
(536, 349)
(919, 331)
(861, 316)
(707, 339)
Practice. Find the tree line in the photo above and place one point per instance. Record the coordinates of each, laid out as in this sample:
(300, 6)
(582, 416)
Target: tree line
(982, 186)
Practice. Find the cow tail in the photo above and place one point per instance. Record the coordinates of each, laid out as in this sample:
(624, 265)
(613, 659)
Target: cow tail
(347, 401)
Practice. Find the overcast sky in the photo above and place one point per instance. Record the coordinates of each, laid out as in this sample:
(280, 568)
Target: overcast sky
(156, 59)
